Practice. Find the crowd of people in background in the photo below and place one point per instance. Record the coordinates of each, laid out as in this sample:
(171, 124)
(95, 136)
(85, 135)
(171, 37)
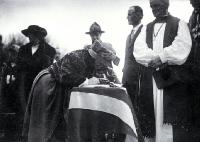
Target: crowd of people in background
(19, 66)
(161, 75)
(46, 121)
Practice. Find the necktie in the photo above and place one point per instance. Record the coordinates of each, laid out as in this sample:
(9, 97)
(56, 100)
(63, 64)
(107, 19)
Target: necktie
(132, 34)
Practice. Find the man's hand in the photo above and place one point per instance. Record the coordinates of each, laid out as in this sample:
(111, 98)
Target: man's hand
(155, 63)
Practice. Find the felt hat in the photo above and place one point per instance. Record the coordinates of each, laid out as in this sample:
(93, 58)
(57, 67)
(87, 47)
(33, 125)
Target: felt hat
(95, 28)
(36, 31)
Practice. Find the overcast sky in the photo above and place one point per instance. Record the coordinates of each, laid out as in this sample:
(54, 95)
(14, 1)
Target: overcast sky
(67, 20)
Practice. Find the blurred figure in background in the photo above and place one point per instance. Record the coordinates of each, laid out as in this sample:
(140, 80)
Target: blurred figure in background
(2, 58)
(1, 86)
(32, 58)
(10, 73)
(194, 24)
(2, 70)
(1, 64)
(10, 108)
(1, 51)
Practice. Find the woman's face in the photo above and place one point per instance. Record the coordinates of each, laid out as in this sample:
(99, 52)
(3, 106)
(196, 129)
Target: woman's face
(33, 39)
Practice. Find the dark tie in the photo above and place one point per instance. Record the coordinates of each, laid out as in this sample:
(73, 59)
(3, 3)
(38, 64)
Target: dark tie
(132, 34)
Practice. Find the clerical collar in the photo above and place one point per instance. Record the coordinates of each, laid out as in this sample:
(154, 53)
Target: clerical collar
(161, 19)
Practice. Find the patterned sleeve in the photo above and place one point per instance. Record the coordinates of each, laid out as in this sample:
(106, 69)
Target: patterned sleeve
(73, 69)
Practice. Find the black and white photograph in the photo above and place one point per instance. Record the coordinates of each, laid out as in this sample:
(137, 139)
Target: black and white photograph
(99, 70)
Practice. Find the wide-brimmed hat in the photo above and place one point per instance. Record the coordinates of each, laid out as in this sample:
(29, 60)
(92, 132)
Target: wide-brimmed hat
(104, 53)
(95, 28)
(35, 30)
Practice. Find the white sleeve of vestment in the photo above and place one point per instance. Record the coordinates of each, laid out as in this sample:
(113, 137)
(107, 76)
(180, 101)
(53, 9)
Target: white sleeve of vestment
(177, 53)
(142, 53)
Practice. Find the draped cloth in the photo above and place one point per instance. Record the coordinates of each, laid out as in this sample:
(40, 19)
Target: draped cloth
(98, 110)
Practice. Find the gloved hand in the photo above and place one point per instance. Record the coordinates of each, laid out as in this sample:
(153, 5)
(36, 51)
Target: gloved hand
(90, 81)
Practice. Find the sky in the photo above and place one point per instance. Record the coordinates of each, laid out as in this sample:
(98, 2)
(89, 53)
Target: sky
(66, 21)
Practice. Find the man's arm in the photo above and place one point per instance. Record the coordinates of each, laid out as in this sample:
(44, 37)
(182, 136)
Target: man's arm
(142, 53)
(178, 52)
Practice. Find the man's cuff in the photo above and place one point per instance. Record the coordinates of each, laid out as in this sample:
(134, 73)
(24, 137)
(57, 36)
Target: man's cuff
(162, 58)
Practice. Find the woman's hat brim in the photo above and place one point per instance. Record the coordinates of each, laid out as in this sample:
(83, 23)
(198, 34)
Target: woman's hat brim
(25, 32)
(35, 30)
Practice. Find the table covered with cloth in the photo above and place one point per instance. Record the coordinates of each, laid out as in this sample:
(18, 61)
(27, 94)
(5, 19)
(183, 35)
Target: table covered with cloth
(97, 110)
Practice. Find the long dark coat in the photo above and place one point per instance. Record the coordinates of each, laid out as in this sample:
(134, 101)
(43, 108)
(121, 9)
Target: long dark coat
(28, 66)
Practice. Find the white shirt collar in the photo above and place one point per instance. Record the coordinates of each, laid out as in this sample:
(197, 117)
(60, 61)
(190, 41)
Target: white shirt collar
(137, 27)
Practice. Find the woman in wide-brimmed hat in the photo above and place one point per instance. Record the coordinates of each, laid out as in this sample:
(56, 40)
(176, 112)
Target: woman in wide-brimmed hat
(32, 58)
(35, 30)
(45, 122)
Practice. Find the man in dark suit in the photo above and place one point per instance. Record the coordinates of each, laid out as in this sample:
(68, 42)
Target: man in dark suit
(131, 67)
